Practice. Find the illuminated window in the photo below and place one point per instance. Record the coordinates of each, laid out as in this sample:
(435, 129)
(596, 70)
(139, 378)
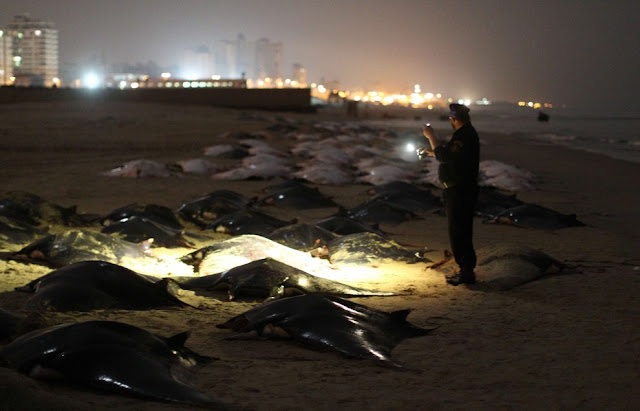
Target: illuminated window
(216, 84)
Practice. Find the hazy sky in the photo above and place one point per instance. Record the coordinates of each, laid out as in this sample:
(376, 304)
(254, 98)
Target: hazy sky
(578, 53)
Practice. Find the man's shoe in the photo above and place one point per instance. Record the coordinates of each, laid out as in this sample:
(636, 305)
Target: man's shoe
(461, 278)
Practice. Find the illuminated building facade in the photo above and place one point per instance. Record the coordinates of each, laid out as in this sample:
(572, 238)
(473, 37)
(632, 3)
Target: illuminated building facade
(6, 59)
(34, 51)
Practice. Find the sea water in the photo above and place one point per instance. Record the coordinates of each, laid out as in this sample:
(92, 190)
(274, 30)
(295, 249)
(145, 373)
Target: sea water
(613, 136)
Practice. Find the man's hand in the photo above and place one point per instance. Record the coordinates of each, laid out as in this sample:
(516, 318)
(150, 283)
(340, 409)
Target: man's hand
(427, 131)
(424, 152)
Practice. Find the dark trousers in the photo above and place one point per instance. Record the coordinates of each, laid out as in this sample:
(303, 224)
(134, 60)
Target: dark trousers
(460, 202)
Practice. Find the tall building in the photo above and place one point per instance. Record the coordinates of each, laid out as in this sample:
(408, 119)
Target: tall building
(198, 63)
(34, 51)
(6, 59)
(299, 75)
(268, 59)
(255, 60)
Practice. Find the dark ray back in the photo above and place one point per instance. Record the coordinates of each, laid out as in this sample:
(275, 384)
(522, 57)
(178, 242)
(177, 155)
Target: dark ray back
(298, 196)
(269, 278)
(342, 225)
(505, 266)
(535, 216)
(110, 356)
(492, 202)
(136, 229)
(378, 210)
(302, 236)
(370, 248)
(34, 210)
(93, 285)
(206, 209)
(333, 323)
(158, 214)
(80, 245)
(247, 222)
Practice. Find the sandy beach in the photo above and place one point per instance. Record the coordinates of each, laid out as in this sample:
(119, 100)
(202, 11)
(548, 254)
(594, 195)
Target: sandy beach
(566, 341)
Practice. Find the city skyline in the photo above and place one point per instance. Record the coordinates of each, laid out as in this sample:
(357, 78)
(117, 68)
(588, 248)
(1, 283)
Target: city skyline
(578, 54)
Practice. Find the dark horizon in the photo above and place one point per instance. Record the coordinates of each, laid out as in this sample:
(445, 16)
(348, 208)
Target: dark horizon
(577, 54)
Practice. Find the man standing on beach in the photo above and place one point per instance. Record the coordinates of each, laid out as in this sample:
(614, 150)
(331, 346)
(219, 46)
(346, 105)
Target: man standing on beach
(458, 171)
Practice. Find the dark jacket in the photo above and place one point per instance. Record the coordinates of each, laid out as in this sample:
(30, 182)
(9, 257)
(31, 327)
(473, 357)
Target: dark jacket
(459, 158)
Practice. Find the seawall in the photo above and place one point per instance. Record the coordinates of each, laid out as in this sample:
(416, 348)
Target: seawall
(294, 99)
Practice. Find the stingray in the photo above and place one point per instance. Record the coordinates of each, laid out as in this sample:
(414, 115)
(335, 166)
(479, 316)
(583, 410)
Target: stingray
(242, 249)
(414, 200)
(329, 322)
(14, 234)
(301, 236)
(342, 225)
(319, 172)
(94, 285)
(137, 229)
(111, 356)
(228, 151)
(140, 168)
(394, 187)
(378, 210)
(75, 245)
(535, 216)
(9, 322)
(492, 202)
(153, 212)
(206, 209)
(247, 222)
(271, 279)
(33, 210)
(297, 196)
(369, 248)
(505, 266)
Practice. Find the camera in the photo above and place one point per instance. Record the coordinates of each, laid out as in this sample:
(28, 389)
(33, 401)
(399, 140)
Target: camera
(421, 152)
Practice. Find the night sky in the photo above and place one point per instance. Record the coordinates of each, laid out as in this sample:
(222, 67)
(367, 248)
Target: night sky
(578, 53)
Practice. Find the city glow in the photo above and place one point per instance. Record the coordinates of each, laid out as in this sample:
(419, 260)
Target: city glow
(91, 80)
